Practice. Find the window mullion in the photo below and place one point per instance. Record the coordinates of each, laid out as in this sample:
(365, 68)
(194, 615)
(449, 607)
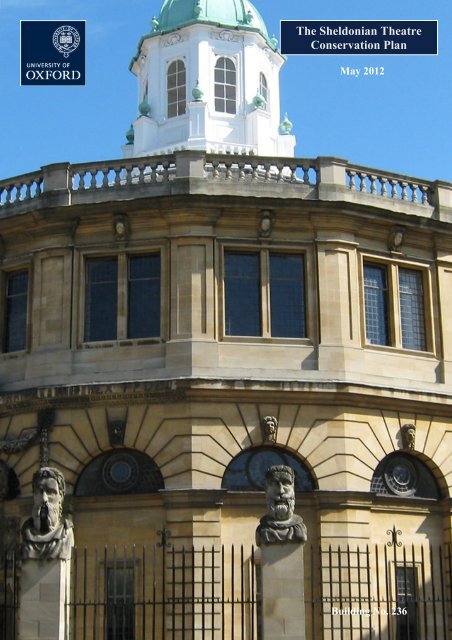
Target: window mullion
(265, 293)
(394, 309)
(122, 296)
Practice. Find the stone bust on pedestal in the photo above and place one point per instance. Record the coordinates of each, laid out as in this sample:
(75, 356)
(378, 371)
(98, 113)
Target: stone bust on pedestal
(47, 535)
(280, 525)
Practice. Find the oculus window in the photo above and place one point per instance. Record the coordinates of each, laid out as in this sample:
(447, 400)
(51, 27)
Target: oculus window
(16, 305)
(141, 276)
(176, 88)
(394, 302)
(225, 86)
(405, 476)
(246, 472)
(281, 277)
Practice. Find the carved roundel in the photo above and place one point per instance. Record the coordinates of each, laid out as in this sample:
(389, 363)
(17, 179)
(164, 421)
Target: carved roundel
(246, 472)
(120, 472)
(400, 476)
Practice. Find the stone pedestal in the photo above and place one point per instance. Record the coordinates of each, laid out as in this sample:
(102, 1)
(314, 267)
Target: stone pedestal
(283, 609)
(44, 613)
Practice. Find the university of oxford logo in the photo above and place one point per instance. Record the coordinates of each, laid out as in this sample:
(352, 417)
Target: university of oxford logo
(66, 39)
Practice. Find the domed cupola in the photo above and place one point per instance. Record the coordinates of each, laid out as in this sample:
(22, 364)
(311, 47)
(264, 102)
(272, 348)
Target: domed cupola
(228, 13)
(208, 79)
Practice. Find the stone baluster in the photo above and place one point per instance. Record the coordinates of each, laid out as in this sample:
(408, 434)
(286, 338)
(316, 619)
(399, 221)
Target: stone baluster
(104, 183)
(404, 190)
(414, 192)
(27, 195)
(384, 187)
(352, 176)
(373, 184)
(425, 194)
(363, 185)
(393, 184)
(306, 168)
(165, 172)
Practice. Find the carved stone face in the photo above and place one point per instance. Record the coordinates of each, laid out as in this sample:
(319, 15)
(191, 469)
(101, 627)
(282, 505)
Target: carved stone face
(47, 505)
(269, 425)
(280, 494)
(409, 435)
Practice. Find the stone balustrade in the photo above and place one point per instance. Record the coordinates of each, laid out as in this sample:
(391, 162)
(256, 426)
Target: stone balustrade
(285, 170)
(185, 172)
(122, 173)
(389, 185)
(21, 188)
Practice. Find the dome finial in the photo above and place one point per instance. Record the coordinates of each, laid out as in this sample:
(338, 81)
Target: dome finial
(286, 126)
(130, 135)
(144, 107)
(197, 92)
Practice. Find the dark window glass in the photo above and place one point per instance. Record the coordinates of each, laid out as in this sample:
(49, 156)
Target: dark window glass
(242, 294)
(406, 599)
(263, 88)
(176, 87)
(405, 476)
(120, 592)
(287, 296)
(120, 472)
(225, 86)
(101, 299)
(376, 304)
(412, 309)
(144, 296)
(16, 311)
(246, 472)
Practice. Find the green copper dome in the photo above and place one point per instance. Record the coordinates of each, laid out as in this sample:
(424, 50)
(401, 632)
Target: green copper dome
(227, 13)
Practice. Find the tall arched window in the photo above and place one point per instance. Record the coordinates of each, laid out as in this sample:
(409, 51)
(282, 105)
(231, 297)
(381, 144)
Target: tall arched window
(263, 88)
(225, 86)
(176, 86)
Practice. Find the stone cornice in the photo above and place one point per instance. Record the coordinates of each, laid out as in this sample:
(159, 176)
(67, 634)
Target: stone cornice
(221, 390)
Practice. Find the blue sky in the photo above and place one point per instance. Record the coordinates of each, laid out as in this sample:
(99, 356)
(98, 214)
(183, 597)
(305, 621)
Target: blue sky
(401, 121)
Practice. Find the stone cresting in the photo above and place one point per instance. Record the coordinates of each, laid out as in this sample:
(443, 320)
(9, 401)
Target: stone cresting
(280, 525)
(47, 535)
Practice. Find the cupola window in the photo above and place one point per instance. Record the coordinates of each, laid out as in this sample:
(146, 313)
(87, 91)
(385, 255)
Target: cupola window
(225, 86)
(176, 85)
(263, 89)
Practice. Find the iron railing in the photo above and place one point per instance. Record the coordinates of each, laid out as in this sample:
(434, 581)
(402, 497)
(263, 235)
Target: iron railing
(379, 592)
(9, 596)
(161, 592)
